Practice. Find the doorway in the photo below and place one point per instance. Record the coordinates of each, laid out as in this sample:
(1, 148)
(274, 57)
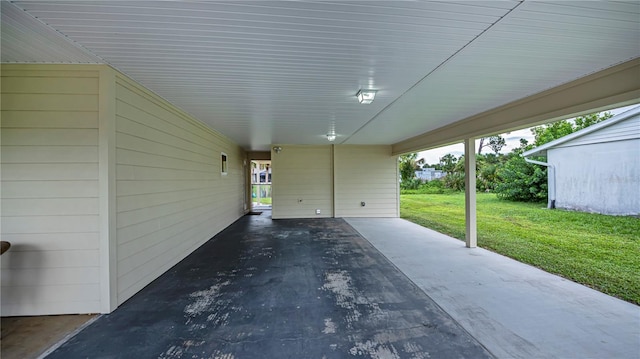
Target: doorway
(260, 184)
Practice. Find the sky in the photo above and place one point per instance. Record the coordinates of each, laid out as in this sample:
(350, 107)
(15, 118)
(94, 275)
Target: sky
(512, 139)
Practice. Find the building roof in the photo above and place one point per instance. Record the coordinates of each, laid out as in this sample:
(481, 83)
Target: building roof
(542, 150)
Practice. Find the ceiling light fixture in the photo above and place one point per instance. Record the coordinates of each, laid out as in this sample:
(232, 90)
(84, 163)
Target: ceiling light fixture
(366, 97)
(277, 149)
(331, 137)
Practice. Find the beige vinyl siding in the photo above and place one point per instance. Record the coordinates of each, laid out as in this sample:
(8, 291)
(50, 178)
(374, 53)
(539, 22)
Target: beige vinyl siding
(302, 178)
(50, 198)
(365, 174)
(170, 194)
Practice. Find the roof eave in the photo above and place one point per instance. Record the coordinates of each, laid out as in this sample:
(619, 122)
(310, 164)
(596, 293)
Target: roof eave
(542, 150)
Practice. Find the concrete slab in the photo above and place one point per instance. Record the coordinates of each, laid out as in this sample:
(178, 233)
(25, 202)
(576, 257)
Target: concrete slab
(513, 309)
(278, 289)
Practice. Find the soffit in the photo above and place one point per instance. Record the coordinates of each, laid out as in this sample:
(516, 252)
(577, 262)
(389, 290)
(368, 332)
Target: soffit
(287, 72)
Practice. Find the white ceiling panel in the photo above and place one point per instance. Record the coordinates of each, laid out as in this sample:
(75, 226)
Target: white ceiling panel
(523, 54)
(266, 72)
(25, 39)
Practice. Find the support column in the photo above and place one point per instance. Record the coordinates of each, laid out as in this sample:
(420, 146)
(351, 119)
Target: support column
(107, 189)
(471, 238)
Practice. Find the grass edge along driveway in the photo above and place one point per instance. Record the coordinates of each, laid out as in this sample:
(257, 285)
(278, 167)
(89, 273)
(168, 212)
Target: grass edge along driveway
(602, 252)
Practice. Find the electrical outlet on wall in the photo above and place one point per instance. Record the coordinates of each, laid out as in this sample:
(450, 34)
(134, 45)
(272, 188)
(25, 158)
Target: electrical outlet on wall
(317, 211)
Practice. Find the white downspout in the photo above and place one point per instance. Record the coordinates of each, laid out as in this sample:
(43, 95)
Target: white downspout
(552, 181)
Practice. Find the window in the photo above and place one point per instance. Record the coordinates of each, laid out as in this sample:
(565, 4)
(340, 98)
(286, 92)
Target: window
(224, 163)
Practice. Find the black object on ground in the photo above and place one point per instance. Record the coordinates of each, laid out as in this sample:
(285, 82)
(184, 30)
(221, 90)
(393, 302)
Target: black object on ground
(311, 288)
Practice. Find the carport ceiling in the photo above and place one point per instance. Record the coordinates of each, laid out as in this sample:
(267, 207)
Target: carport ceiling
(287, 72)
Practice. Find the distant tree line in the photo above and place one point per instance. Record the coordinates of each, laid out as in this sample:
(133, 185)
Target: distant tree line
(508, 175)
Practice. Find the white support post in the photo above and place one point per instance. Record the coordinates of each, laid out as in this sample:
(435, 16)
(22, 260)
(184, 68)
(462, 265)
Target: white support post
(471, 238)
(107, 190)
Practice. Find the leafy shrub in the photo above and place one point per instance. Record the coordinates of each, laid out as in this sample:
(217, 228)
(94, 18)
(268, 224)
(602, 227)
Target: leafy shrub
(430, 187)
(412, 183)
(486, 177)
(454, 181)
(522, 181)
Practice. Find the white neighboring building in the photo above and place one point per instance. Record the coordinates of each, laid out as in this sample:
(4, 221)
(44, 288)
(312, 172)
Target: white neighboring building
(596, 169)
(428, 174)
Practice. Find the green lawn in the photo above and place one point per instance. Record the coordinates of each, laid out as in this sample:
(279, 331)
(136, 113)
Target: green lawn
(602, 252)
(265, 201)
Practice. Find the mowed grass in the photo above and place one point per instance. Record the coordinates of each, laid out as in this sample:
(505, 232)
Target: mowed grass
(602, 252)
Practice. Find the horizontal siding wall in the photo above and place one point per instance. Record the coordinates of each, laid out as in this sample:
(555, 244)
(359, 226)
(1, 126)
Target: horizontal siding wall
(171, 196)
(365, 174)
(50, 196)
(302, 178)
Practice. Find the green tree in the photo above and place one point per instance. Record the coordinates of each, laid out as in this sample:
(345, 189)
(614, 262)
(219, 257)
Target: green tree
(522, 181)
(408, 165)
(454, 181)
(454, 168)
(487, 171)
(591, 119)
(448, 162)
(496, 143)
(552, 131)
(519, 180)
